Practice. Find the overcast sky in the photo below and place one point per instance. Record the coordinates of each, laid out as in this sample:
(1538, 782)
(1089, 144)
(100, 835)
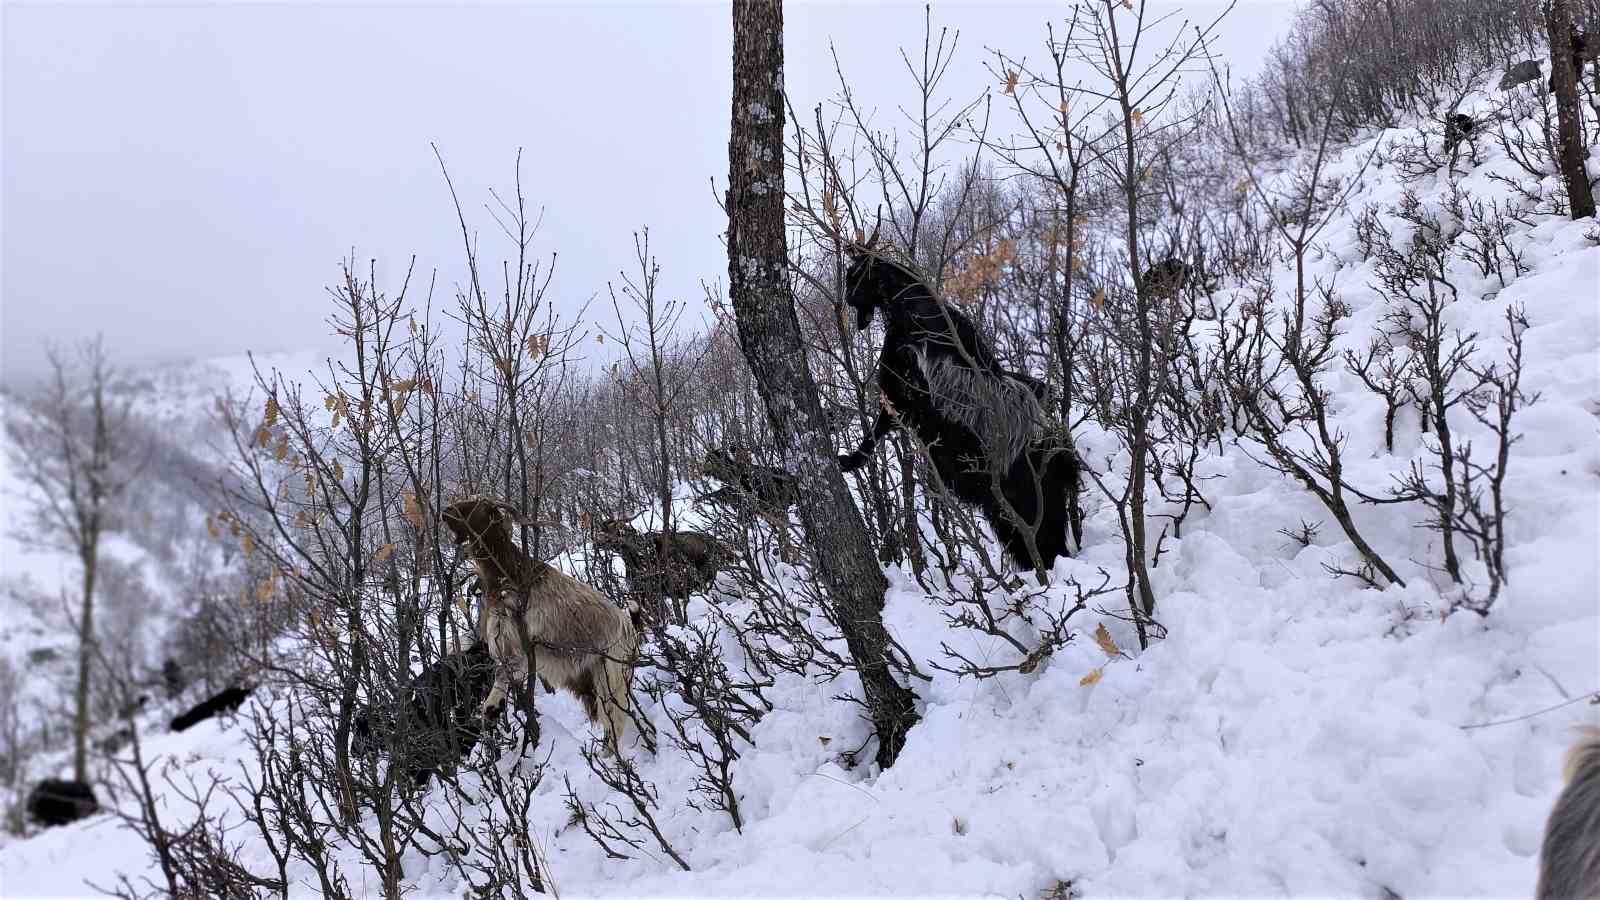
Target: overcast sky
(186, 180)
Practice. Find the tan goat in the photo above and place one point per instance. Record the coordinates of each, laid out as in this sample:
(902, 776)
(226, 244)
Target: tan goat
(581, 641)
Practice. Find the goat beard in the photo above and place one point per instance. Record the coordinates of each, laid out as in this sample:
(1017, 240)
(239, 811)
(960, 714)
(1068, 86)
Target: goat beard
(1002, 411)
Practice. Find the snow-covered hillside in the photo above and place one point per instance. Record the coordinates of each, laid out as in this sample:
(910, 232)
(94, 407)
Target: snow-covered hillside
(40, 577)
(1292, 734)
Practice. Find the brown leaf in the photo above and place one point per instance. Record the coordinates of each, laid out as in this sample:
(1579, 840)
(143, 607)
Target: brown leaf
(272, 410)
(1137, 116)
(384, 552)
(1098, 301)
(1091, 678)
(1102, 638)
(412, 509)
(1011, 82)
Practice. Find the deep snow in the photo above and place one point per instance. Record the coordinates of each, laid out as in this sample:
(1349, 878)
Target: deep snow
(1293, 734)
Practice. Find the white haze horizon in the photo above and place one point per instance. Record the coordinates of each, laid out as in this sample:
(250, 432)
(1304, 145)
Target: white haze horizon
(186, 181)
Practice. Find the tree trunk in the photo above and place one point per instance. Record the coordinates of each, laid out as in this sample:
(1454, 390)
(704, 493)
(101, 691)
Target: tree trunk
(80, 719)
(1569, 121)
(769, 333)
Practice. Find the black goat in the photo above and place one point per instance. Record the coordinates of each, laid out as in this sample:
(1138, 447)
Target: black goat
(980, 424)
(438, 723)
(766, 491)
(226, 701)
(1167, 278)
(60, 801)
(769, 487)
(661, 564)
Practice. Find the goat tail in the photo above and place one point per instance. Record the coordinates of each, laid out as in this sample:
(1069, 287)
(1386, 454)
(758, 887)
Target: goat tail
(1569, 862)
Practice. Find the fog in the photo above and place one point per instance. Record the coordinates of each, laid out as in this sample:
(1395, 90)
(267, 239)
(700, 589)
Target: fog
(187, 180)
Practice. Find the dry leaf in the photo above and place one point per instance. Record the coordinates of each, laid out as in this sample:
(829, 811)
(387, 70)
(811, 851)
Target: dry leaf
(1102, 638)
(1091, 678)
(272, 410)
(1099, 299)
(1137, 116)
(264, 437)
(413, 509)
(384, 552)
(338, 471)
(599, 339)
(1011, 82)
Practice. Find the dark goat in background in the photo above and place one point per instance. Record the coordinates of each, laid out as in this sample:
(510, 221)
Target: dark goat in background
(766, 491)
(980, 424)
(221, 702)
(438, 722)
(661, 564)
(59, 801)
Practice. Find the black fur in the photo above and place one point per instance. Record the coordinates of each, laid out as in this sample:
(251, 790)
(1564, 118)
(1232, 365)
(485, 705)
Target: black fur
(226, 701)
(768, 487)
(967, 439)
(439, 722)
(59, 801)
(1457, 128)
(1168, 278)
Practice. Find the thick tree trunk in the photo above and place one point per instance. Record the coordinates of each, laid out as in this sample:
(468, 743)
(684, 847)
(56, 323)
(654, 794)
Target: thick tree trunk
(769, 333)
(1569, 121)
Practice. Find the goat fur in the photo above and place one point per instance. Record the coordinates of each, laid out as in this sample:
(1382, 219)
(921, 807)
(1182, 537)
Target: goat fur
(1569, 861)
(979, 423)
(61, 801)
(580, 640)
(766, 491)
(222, 702)
(674, 564)
(436, 723)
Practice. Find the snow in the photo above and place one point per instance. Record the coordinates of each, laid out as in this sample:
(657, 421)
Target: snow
(1292, 735)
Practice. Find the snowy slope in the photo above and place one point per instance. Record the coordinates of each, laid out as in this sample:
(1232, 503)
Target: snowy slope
(40, 583)
(1294, 734)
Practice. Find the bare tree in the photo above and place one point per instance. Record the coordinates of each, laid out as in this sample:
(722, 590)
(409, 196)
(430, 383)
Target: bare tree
(1569, 115)
(769, 332)
(72, 451)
